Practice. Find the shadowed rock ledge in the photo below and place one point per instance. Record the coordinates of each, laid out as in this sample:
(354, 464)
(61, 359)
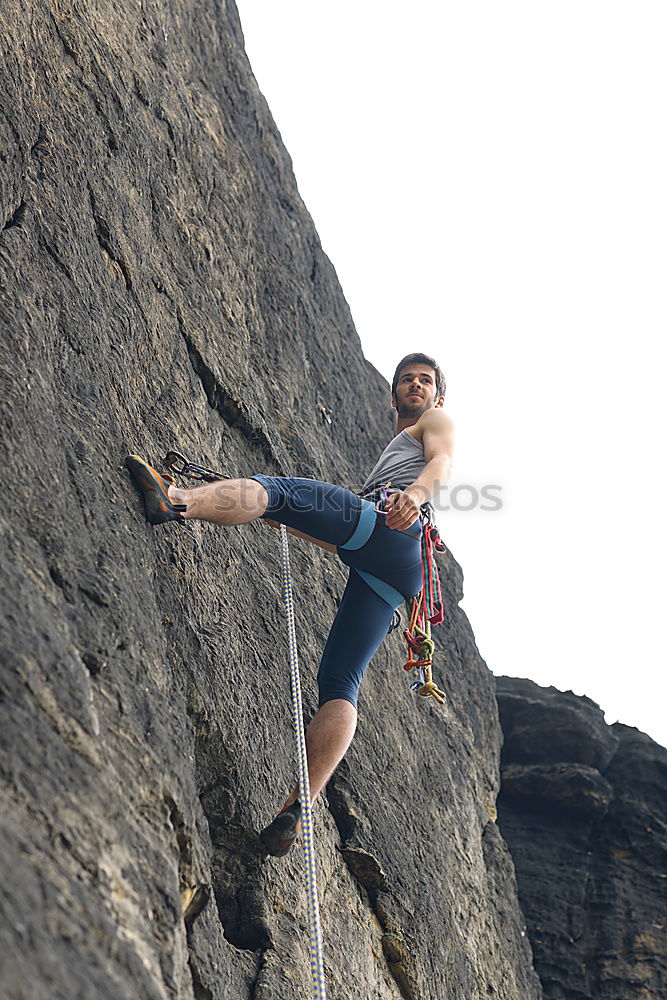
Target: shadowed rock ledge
(163, 285)
(583, 807)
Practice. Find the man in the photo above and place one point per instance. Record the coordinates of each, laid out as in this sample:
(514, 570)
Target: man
(381, 547)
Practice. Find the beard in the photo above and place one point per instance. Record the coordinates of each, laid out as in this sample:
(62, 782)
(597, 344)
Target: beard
(412, 406)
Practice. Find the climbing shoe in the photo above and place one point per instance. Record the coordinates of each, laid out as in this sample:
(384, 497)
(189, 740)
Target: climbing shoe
(279, 836)
(153, 488)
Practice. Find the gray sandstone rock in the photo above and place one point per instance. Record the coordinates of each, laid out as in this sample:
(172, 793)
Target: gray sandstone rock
(585, 816)
(163, 285)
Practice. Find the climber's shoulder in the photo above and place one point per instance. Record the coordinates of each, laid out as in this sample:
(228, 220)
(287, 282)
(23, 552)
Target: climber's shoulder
(434, 422)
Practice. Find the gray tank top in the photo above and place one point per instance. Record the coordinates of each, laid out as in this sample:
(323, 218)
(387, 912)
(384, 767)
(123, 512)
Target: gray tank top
(400, 462)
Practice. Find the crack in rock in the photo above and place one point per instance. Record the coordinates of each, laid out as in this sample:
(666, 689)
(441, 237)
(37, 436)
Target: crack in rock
(103, 233)
(369, 875)
(16, 217)
(194, 895)
(228, 408)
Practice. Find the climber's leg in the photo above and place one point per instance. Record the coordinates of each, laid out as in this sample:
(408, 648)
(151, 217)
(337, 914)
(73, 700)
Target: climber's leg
(360, 625)
(228, 501)
(327, 740)
(320, 510)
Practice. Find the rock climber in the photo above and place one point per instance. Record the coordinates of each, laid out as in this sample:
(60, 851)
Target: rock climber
(381, 547)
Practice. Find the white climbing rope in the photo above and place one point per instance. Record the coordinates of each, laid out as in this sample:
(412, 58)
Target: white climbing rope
(316, 954)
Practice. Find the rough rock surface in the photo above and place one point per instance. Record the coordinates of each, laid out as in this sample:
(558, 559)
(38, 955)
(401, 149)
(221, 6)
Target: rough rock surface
(583, 808)
(163, 285)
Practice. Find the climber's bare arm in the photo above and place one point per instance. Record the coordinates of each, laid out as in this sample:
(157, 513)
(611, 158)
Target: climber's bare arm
(438, 440)
(437, 435)
(299, 534)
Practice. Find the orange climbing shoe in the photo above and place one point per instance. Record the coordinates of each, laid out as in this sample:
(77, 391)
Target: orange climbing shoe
(151, 485)
(279, 836)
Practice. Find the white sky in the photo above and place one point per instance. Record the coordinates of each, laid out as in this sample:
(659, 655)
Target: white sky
(490, 183)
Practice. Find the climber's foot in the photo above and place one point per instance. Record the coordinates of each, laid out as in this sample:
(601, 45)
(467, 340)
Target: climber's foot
(280, 835)
(152, 487)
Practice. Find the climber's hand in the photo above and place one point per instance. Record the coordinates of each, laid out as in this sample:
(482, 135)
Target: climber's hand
(402, 511)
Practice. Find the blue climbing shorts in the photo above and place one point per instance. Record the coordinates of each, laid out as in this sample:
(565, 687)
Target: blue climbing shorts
(385, 569)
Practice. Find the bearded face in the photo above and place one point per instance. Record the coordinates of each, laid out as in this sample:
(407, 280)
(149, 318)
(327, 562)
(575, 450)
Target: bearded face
(415, 392)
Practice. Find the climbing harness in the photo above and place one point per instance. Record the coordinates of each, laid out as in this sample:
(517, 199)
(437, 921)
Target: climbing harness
(316, 954)
(193, 471)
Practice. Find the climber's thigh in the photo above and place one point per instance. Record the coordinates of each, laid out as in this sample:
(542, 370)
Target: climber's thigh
(359, 627)
(390, 559)
(321, 510)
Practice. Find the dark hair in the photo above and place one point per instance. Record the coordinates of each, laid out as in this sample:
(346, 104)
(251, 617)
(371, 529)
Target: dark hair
(422, 359)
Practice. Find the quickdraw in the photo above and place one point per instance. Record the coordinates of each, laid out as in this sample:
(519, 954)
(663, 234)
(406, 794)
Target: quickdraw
(174, 458)
(425, 610)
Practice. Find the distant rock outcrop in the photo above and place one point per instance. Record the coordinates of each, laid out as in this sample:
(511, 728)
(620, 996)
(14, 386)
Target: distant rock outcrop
(163, 285)
(583, 807)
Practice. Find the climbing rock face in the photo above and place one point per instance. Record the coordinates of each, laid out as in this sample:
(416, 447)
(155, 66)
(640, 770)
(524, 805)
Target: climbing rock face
(163, 286)
(583, 808)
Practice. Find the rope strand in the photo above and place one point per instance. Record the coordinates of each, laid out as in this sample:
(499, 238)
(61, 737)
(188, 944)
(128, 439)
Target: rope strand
(316, 952)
